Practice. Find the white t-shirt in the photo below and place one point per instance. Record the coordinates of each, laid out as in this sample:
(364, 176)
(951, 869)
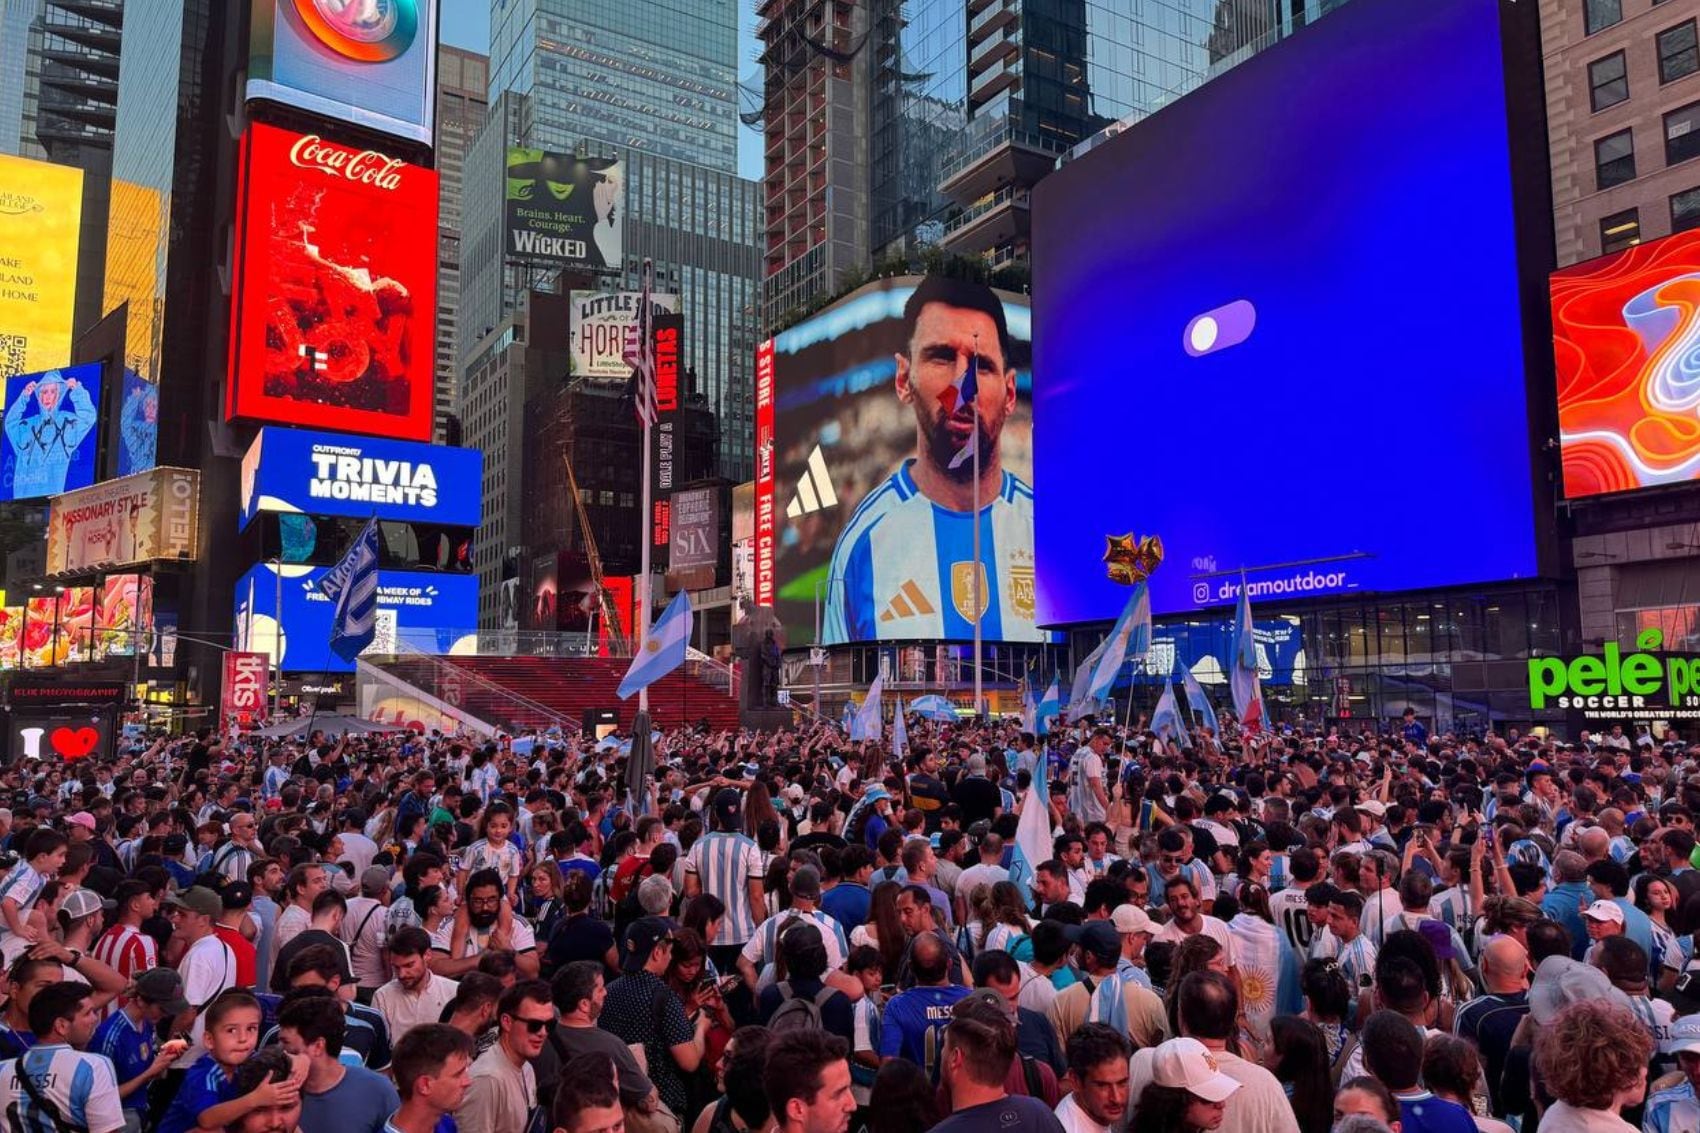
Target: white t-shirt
(1083, 768)
(1073, 1119)
(977, 875)
(1212, 928)
(208, 968)
(524, 940)
(358, 849)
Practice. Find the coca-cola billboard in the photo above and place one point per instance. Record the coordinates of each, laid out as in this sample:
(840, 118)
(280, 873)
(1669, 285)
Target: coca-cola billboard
(335, 301)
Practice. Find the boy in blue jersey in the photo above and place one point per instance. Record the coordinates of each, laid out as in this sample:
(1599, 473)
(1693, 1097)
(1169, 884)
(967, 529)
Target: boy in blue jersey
(208, 1097)
(130, 1039)
(906, 557)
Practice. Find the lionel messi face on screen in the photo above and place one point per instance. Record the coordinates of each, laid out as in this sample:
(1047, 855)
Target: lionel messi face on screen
(949, 324)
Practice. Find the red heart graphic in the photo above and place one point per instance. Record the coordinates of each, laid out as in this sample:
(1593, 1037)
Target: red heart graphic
(73, 743)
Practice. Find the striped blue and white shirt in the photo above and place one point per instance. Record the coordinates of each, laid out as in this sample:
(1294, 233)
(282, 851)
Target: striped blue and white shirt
(1357, 962)
(763, 947)
(1673, 1110)
(908, 567)
(725, 864)
(82, 1087)
(23, 885)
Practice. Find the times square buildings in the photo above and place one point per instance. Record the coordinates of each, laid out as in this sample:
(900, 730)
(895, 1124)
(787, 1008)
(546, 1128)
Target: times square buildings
(951, 127)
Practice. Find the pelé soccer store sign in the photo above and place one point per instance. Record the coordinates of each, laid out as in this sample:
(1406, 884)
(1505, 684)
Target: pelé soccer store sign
(1614, 687)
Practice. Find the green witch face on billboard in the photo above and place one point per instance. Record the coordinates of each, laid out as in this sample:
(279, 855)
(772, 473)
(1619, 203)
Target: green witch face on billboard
(565, 210)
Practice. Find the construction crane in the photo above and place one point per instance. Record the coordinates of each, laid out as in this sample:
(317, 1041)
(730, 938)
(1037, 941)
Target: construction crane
(593, 556)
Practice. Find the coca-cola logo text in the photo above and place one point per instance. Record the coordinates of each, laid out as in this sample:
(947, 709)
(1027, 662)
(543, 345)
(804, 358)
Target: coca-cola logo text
(367, 167)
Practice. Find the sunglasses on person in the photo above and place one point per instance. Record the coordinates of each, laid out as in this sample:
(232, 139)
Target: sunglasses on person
(533, 1026)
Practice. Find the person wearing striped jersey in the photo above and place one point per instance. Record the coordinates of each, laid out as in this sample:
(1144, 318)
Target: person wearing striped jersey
(1676, 1109)
(124, 947)
(756, 960)
(43, 856)
(727, 864)
(905, 559)
(66, 1088)
(1357, 952)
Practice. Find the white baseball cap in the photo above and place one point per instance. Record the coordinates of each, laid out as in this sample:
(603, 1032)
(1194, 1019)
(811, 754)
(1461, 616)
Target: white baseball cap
(1604, 911)
(1189, 1065)
(1685, 1035)
(1131, 918)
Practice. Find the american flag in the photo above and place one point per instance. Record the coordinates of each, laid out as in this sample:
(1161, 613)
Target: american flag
(642, 359)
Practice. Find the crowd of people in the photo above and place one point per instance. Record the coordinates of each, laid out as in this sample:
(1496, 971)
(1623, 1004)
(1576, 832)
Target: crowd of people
(1308, 931)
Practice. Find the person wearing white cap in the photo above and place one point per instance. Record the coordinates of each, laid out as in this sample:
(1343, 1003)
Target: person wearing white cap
(1602, 919)
(1675, 1109)
(1208, 1010)
(1136, 930)
(1188, 1091)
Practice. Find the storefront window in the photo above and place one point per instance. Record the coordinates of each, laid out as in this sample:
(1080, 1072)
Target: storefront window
(1506, 627)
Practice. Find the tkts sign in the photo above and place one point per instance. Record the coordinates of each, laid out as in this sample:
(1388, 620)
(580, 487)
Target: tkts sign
(243, 703)
(336, 290)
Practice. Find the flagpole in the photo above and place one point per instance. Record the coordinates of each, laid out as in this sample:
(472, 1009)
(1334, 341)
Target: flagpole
(646, 601)
(978, 611)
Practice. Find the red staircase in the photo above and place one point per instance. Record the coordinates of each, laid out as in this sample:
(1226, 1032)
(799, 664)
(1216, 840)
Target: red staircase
(569, 685)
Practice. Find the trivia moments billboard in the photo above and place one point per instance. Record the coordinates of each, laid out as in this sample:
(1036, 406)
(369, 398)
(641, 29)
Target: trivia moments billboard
(335, 309)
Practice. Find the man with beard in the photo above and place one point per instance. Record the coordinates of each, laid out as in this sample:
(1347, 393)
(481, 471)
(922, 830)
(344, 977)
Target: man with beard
(484, 922)
(913, 536)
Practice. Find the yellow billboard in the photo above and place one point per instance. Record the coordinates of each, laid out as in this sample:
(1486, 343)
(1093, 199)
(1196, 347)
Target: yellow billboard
(41, 212)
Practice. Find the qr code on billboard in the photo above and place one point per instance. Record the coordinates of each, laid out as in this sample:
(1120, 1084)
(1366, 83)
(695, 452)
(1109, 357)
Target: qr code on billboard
(14, 352)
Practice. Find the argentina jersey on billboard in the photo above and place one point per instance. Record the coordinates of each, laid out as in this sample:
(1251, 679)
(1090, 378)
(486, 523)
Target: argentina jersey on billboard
(884, 407)
(309, 473)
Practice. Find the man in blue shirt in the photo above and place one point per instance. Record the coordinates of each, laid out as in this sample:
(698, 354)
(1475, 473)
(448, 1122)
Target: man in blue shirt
(1412, 731)
(129, 1038)
(914, 1020)
(1393, 1052)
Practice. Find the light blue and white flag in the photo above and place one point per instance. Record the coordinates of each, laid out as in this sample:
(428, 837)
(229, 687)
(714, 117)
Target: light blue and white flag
(1129, 638)
(1050, 707)
(899, 733)
(663, 646)
(1243, 677)
(1166, 717)
(934, 707)
(868, 723)
(353, 585)
(1198, 701)
(1032, 834)
(847, 722)
(1029, 709)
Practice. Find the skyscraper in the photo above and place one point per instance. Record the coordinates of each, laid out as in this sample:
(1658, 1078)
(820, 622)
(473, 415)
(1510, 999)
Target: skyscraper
(930, 120)
(655, 85)
(463, 80)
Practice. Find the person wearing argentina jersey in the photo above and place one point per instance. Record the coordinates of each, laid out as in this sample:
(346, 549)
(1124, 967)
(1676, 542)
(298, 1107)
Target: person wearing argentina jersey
(905, 559)
(1676, 1109)
(726, 863)
(65, 1088)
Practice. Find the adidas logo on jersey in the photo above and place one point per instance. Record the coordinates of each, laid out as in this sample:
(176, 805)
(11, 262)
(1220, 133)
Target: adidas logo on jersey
(908, 602)
(814, 488)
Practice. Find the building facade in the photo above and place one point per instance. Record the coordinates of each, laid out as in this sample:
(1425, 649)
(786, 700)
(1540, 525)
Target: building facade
(1623, 116)
(463, 81)
(1623, 121)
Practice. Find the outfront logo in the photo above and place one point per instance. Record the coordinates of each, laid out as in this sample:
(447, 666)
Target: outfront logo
(366, 31)
(1644, 685)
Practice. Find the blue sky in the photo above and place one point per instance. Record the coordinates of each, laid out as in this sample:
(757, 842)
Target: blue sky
(466, 24)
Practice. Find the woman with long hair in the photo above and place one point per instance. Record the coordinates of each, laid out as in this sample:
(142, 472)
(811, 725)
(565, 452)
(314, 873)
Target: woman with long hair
(902, 1099)
(883, 930)
(1328, 1000)
(1006, 918)
(1657, 897)
(759, 808)
(1194, 954)
(1298, 1057)
(1187, 1094)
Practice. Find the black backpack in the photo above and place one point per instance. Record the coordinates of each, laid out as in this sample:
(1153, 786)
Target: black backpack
(796, 1013)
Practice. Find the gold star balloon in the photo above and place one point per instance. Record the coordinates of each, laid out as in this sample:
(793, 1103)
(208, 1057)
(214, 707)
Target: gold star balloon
(1130, 559)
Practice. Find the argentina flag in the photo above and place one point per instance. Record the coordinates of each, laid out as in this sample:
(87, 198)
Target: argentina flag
(1130, 638)
(664, 647)
(353, 585)
(1032, 834)
(1198, 701)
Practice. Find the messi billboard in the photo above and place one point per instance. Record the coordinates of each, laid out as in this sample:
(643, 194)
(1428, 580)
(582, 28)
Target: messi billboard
(417, 612)
(334, 314)
(1626, 329)
(1256, 343)
(370, 62)
(864, 485)
(293, 470)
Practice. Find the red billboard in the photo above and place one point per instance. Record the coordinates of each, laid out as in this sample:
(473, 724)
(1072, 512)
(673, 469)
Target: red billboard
(243, 702)
(1626, 328)
(334, 314)
(764, 474)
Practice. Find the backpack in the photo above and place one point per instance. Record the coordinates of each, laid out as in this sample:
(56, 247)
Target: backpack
(797, 1013)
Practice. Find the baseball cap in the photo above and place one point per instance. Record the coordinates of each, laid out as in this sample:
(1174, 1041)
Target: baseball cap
(805, 883)
(81, 903)
(82, 818)
(236, 895)
(1685, 1035)
(1604, 911)
(374, 880)
(164, 988)
(728, 805)
(1188, 1065)
(1561, 981)
(198, 899)
(1131, 918)
(1374, 807)
(642, 937)
(1098, 937)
